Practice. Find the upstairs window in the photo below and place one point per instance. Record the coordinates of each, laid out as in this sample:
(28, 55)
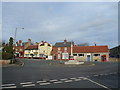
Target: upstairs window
(59, 49)
(65, 49)
(20, 49)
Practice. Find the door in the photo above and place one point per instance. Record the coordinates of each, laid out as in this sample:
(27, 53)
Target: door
(88, 57)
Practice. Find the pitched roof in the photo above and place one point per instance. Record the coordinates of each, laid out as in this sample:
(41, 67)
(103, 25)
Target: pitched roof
(89, 49)
(62, 44)
(32, 47)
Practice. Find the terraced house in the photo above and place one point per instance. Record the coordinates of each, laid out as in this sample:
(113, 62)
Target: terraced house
(42, 50)
(64, 50)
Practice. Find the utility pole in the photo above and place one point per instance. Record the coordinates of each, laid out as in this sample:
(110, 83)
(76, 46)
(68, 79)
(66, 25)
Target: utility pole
(15, 42)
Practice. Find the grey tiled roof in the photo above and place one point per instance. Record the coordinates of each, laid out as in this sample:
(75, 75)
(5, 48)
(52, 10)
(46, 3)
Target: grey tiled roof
(62, 44)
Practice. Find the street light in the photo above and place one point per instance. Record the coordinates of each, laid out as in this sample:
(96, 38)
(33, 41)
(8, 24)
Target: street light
(15, 41)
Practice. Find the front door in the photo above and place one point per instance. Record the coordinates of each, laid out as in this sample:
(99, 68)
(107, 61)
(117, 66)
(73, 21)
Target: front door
(88, 57)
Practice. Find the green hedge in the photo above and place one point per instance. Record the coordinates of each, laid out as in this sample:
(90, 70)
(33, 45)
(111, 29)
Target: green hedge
(6, 56)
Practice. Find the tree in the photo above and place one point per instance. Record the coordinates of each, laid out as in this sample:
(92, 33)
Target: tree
(8, 50)
(83, 44)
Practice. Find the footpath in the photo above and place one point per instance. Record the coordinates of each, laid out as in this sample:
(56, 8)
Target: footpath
(7, 63)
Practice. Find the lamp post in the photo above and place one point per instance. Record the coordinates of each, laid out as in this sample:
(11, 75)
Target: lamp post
(15, 41)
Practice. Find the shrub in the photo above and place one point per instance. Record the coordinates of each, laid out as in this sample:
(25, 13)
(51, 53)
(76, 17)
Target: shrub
(6, 56)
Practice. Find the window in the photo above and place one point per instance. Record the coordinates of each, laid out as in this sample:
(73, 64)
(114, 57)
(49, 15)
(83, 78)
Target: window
(41, 55)
(27, 55)
(20, 49)
(59, 56)
(58, 48)
(65, 55)
(74, 54)
(96, 54)
(80, 54)
(35, 55)
(65, 49)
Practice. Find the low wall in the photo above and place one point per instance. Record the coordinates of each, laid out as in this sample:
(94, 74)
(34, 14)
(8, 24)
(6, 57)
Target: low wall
(4, 61)
(114, 59)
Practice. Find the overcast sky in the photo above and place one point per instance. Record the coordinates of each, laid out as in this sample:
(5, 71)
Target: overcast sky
(80, 22)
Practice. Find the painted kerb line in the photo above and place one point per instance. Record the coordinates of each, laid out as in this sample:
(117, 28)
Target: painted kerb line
(98, 84)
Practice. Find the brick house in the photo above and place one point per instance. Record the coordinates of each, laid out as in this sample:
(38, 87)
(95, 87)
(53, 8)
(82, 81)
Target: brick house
(62, 50)
(91, 53)
(19, 48)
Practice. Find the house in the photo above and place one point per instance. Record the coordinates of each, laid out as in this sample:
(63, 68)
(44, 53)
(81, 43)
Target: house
(19, 48)
(62, 50)
(91, 53)
(115, 52)
(40, 50)
(31, 51)
(44, 49)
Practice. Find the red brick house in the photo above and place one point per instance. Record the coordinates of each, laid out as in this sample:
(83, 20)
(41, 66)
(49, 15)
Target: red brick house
(62, 50)
(65, 50)
(19, 48)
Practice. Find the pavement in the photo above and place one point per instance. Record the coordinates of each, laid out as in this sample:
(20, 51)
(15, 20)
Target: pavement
(53, 74)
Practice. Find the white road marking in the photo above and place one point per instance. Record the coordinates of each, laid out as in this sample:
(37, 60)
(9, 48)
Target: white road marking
(64, 79)
(84, 78)
(53, 80)
(28, 85)
(8, 87)
(68, 81)
(77, 79)
(41, 81)
(44, 83)
(72, 78)
(7, 84)
(98, 84)
(57, 82)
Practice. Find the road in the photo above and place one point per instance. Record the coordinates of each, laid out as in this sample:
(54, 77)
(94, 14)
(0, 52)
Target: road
(52, 74)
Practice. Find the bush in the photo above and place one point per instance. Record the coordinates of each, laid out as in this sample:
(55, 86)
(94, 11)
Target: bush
(6, 56)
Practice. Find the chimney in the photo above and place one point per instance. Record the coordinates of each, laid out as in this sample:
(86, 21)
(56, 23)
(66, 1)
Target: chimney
(94, 43)
(20, 41)
(65, 41)
(29, 40)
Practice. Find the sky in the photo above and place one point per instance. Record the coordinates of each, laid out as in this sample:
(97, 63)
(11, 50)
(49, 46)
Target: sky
(81, 22)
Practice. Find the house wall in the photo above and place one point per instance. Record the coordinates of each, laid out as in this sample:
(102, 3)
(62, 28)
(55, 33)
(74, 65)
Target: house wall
(56, 52)
(93, 58)
(19, 50)
(31, 52)
(46, 50)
